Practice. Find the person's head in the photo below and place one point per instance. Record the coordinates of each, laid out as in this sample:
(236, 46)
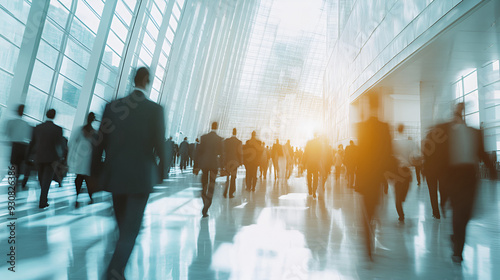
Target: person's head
(277, 141)
(215, 125)
(170, 138)
(351, 142)
(185, 138)
(401, 128)
(90, 118)
(197, 140)
(341, 147)
(234, 131)
(254, 134)
(51, 114)
(141, 79)
(288, 141)
(20, 110)
(459, 110)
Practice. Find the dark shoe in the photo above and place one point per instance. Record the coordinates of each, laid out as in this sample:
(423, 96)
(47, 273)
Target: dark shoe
(314, 195)
(457, 259)
(91, 201)
(436, 216)
(231, 196)
(224, 195)
(205, 215)
(401, 219)
(43, 206)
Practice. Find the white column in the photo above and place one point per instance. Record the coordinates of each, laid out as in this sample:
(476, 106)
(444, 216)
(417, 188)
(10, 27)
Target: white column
(94, 64)
(27, 53)
(131, 45)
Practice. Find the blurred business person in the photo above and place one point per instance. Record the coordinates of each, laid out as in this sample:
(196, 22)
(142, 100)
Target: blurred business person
(47, 142)
(19, 132)
(208, 153)
(233, 158)
(131, 136)
(80, 156)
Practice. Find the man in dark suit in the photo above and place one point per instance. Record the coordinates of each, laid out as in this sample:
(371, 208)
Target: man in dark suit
(375, 161)
(233, 158)
(435, 152)
(312, 161)
(252, 156)
(131, 135)
(169, 157)
(350, 163)
(208, 153)
(47, 142)
(184, 153)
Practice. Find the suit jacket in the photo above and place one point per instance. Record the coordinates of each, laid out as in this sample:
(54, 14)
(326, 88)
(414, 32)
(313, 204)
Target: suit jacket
(313, 155)
(252, 152)
(233, 153)
(209, 150)
(184, 148)
(436, 151)
(132, 135)
(375, 155)
(47, 142)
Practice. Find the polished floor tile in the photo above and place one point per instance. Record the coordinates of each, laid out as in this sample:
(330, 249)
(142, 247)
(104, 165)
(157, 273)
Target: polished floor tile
(277, 232)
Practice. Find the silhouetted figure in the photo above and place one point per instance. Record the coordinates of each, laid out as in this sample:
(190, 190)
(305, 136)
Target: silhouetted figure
(403, 150)
(339, 161)
(131, 139)
(288, 149)
(169, 157)
(375, 152)
(47, 142)
(191, 148)
(196, 169)
(233, 158)
(417, 161)
(80, 156)
(466, 149)
(184, 153)
(208, 153)
(252, 154)
(350, 158)
(276, 154)
(264, 161)
(326, 164)
(312, 162)
(435, 151)
(18, 131)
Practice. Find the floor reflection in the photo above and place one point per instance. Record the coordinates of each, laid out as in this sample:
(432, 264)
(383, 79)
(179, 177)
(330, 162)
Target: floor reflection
(276, 232)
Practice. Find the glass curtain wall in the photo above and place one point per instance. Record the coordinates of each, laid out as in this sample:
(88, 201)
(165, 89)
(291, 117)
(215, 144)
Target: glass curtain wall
(66, 45)
(13, 15)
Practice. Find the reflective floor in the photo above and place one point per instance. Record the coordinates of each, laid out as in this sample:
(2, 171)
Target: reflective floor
(278, 232)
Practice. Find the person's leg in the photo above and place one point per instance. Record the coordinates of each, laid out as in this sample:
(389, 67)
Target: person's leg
(463, 196)
(78, 183)
(417, 173)
(315, 182)
(398, 197)
(212, 174)
(309, 181)
(45, 174)
(248, 180)
(131, 208)
(432, 185)
(254, 180)
(368, 209)
(204, 191)
(232, 187)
